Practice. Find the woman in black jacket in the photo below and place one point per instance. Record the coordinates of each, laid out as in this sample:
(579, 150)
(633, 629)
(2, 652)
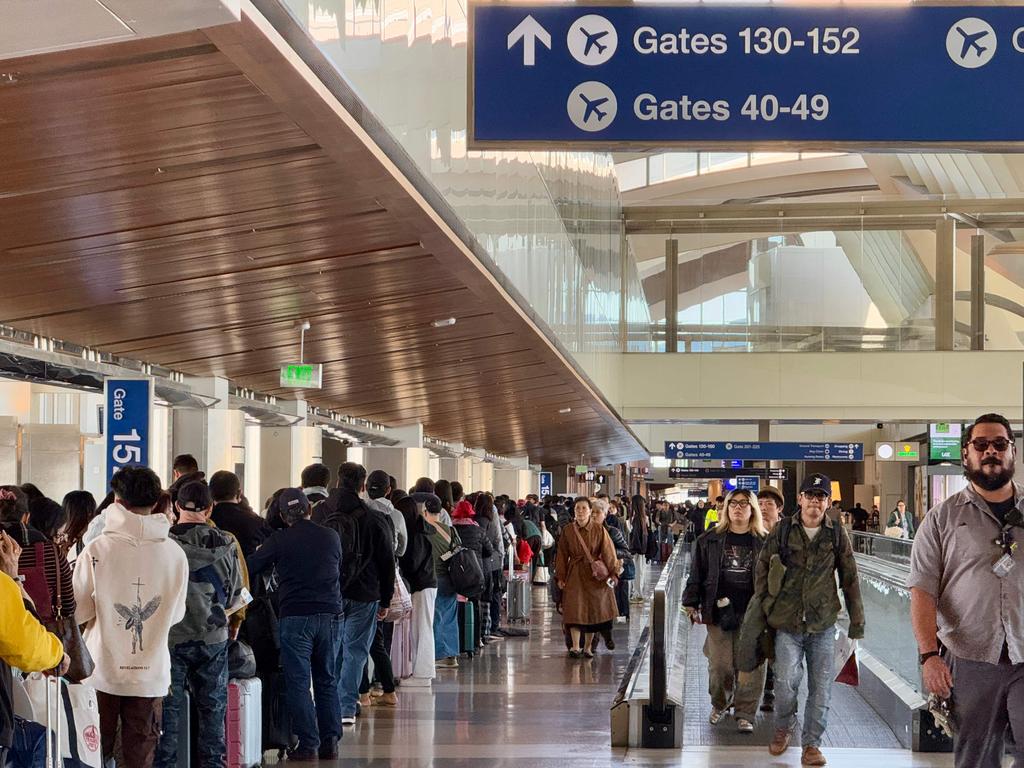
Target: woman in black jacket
(720, 585)
(475, 539)
(417, 566)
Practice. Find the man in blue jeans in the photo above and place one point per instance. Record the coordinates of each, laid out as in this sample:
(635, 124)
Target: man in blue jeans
(308, 561)
(199, 642)
(795, 581)
(367, 578)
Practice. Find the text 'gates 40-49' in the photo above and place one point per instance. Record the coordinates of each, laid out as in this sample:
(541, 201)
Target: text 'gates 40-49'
(814, 76)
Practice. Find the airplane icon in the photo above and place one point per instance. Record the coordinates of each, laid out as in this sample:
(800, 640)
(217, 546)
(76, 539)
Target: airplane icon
(592, 108)
(593, 40)
(971, 42)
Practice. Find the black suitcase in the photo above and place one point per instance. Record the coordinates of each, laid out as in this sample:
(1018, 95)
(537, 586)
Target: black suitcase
(277, 723)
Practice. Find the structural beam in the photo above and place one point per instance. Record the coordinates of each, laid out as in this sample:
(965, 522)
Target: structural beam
(945, 284)
(671, 295)
(978, 292)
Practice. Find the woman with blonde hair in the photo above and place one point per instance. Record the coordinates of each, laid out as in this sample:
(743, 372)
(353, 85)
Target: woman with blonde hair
(720, 585)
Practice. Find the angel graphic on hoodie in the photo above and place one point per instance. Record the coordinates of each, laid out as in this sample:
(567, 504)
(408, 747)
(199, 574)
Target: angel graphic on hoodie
(135, 616)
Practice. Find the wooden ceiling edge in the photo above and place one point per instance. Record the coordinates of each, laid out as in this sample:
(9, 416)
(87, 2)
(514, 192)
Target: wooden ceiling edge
(255, 45)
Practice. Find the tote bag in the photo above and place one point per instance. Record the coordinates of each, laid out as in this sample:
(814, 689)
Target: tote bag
(80, 719)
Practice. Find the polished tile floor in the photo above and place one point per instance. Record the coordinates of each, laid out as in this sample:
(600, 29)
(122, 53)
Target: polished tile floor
(523, 704)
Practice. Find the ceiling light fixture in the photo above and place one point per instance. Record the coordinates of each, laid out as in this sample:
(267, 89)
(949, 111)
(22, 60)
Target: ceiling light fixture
(565, 410)
(446, 322)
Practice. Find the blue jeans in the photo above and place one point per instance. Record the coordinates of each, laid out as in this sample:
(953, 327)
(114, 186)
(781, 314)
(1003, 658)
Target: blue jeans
(360, 624)
(309, 647)
(205, 669)
(790, 651)
(446, 621)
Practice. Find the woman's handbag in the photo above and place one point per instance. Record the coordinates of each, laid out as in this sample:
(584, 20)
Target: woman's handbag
(597, 567)
(401, 602)
(628, 570)
(541, 574)
(65, 628)
(895, 532)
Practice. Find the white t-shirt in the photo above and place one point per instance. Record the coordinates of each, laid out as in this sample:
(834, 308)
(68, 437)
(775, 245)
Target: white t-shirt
(812, 532)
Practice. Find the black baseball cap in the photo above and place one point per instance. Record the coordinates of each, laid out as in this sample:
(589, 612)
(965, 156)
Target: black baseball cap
(817, 482)
(378, 480)
(194, 496)
(289, 500)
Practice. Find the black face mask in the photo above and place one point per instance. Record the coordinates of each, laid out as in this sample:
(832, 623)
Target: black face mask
(993, 481)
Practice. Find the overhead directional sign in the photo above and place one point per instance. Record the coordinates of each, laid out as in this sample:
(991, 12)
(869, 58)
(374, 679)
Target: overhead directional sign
(714, 473)
(766, 451)
(821, 75)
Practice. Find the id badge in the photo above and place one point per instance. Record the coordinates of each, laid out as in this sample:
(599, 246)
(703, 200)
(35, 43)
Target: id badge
(1004, 565)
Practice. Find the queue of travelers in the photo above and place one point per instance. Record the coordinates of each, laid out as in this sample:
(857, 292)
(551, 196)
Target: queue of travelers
(158, 582)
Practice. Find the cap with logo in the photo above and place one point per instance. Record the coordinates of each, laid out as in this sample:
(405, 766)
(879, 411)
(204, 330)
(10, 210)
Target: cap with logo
(291, 501)
(816, 483)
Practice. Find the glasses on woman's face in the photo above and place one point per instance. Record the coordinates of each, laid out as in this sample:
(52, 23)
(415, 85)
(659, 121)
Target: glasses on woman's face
(739, 504)
(982, 444)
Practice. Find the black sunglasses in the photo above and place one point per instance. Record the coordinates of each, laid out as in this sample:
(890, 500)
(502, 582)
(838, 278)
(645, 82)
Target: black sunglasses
(982, 444)
(815, 495)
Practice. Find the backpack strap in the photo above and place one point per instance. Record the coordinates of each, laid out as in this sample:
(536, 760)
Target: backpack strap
(786, 528)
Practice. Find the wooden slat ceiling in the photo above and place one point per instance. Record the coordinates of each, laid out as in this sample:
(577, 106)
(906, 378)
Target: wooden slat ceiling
(186, 200)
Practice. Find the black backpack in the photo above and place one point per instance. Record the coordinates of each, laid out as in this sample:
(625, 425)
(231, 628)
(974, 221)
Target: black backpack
(354, 557)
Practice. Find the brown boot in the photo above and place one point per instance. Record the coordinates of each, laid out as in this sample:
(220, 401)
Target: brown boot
(813, 756)
(781, 741)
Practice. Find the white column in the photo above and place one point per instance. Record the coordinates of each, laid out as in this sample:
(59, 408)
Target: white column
(506, 481)
(207, 433)
(483, 477)
(406, 465)
(285, 451)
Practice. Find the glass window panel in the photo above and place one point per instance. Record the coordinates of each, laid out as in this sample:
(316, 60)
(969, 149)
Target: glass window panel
(680, 165)
(712, 162)
(765, 158)
(632, 174)
(656, 172)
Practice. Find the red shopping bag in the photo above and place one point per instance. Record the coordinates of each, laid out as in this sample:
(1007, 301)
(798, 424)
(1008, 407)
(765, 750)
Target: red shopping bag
(849, 674)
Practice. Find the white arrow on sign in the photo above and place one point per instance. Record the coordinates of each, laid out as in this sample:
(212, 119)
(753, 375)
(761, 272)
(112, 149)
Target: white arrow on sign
(529, 31)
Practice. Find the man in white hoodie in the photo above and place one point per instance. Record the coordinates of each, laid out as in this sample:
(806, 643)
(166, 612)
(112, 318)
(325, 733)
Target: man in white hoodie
(130, 586)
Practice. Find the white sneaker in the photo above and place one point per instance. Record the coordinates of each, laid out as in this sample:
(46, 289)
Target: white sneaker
(716, 716)
(348, 720)
(744, 726)
(417, 682)
(620, 619)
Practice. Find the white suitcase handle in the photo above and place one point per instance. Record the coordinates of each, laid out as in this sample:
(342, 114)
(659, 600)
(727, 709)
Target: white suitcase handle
(54, 716)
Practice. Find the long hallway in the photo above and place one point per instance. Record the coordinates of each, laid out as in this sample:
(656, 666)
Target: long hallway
(522, 702)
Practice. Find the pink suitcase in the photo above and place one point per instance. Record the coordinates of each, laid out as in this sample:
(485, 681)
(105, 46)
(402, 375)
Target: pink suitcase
(245, 723)
(402, 649)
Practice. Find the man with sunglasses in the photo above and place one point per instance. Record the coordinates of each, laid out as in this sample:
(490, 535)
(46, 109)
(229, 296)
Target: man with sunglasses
(795, 580)
(967, 597)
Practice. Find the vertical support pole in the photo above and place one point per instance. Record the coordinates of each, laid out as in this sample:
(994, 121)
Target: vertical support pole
(764, 431)
(945, 285)
(671, 295)
(623, 288)
(978, 292)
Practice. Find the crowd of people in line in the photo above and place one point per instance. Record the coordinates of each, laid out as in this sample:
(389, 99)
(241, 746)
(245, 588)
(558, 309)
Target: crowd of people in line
(157, 591)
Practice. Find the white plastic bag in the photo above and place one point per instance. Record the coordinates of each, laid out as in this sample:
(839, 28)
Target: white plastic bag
(80, 717)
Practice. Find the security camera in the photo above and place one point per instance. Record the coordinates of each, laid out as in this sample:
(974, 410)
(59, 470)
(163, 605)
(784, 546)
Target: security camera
(879, 425)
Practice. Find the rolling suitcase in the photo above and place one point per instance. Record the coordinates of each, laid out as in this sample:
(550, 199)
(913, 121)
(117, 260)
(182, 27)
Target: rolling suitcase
(401, 649)
(519, 597)
(277, 723)
(467, 623)
(244, 730)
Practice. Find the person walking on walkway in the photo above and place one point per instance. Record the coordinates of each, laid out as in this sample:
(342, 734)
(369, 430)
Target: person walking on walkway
(417, 566)
(902, 519)
(585, 567)
(720, 585)
(967, 598)
(772, 502)
(795, 581)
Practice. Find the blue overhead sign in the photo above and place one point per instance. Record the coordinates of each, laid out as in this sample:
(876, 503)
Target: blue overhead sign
(741, 75)
(766, 451)
(127, 422)
(748, 483)
(546, 485)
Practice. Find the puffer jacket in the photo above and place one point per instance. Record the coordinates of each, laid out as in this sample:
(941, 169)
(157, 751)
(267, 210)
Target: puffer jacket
(702, 585)
(800, 596)
(475, 538)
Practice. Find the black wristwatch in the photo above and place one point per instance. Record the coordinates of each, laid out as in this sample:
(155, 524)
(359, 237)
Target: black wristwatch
(925, 656)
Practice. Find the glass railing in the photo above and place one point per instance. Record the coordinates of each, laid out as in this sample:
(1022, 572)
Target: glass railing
(664, 622)
(888, 636)
(891, 551)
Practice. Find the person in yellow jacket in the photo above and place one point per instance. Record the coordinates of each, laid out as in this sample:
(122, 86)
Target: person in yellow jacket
(713, 514)
(24, 642)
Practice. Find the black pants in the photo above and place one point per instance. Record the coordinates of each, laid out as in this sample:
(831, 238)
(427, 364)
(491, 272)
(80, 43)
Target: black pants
(381, 664)
(494, 602)
(622, 597)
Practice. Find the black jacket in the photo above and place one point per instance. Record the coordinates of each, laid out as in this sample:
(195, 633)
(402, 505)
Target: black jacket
(177, 484)
(417, 563)
(475, 538)
(702, 585)
(308, 562)
(250, 529)
(618, 541)
(376, 579)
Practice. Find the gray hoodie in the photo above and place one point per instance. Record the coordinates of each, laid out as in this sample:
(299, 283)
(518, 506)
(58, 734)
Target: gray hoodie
(214, 584)
(397, 520)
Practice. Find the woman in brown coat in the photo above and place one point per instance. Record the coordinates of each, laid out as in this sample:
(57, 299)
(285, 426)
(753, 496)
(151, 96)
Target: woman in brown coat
(588, 603)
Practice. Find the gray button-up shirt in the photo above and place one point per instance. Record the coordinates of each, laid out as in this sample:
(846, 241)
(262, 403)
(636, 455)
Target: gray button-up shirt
(952, 560)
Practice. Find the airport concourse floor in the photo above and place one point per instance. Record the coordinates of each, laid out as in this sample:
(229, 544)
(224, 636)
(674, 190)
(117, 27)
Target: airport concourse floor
(522, 702)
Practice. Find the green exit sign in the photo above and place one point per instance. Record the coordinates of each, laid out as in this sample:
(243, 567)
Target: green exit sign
(581, 469)
(302, 375)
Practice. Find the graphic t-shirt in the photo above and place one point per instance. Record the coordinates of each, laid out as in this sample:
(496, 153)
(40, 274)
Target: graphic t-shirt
(736, 580)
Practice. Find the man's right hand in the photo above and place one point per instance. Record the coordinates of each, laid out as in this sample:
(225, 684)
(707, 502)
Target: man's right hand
(10, 552)
(938, 678)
